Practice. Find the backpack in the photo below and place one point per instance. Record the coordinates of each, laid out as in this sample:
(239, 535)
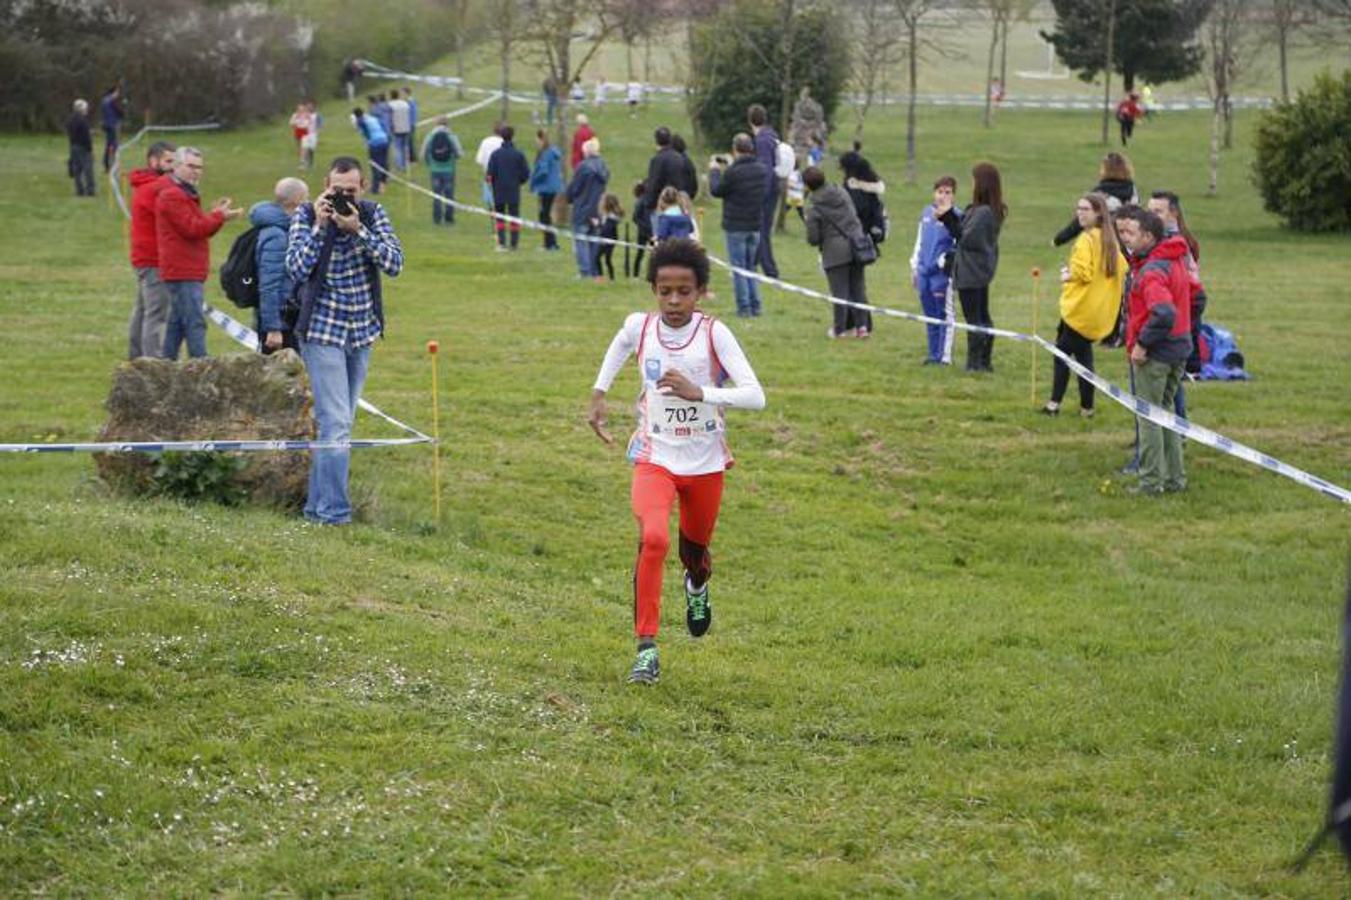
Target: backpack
(239, 272)
(1220, 356)
(785, 159)
(442, 148)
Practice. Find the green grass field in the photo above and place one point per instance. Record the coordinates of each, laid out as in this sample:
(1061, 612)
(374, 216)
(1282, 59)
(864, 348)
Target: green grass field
(950, 658)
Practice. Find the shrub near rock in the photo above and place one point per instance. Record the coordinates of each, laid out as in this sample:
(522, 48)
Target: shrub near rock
(239, 397)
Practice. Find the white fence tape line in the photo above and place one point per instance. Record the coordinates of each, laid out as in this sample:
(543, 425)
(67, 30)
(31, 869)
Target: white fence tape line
(1138, 406)
(1053, 101)
(486, 101)
(115, 170)
(205, 446)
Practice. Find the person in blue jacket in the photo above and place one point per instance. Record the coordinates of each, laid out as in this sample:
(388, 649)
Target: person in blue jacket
(272, 218)
(932, 243)
(377, 145)
(585, 190)
(546, 183)
(507, 171)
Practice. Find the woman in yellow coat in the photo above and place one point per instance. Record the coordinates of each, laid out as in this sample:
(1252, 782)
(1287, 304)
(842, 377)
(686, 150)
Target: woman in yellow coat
(1090, 297)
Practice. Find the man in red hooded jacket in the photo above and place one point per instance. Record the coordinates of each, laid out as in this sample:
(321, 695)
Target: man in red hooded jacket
(1158, 337)
(184, 232)
(151, 310)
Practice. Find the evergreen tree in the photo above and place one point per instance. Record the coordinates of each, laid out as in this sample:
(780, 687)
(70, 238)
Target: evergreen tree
(1154, 40)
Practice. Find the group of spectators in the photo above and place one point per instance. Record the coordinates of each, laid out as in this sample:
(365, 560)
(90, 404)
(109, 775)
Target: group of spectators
(318, 270)
(388, 121)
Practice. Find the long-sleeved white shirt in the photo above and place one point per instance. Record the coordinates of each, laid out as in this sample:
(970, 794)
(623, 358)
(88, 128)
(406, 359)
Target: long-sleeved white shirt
(680, 446)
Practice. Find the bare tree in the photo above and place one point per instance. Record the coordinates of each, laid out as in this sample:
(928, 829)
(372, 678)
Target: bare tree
(1000, 12)
(554, 25)
(461, 26)
(1285, 18)
(878, 36)
(1223, 34)
(912, 14)
(504, 26)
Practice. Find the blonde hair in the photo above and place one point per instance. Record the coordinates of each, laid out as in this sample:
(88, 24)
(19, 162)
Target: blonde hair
(591, 147)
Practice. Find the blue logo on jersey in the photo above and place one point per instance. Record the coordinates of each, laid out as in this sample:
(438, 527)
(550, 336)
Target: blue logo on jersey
(652, 369)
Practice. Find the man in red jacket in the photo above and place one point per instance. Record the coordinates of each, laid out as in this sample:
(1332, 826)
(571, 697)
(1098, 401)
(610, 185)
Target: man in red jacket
(184, 233)
(1158, 337)
(151, 310)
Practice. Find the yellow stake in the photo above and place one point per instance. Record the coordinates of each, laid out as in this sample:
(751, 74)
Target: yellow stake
(432, 348)
(1036, 305)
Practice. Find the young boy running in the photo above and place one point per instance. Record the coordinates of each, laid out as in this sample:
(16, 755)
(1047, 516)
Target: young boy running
(678, 448)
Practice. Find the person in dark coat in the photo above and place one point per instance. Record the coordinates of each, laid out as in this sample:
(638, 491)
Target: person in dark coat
(585, 191)
(690, 179)
(1116, 180)
(767, 152)
(507, 171)
(665, 169)
(111, 114)
(742, 186)
(865, 189)
(81, 163)
(832, 226)
(976, 232)
(272, 218)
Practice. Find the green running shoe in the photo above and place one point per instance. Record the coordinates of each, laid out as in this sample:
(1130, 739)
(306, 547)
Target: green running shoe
(646, 668)
(698, 608)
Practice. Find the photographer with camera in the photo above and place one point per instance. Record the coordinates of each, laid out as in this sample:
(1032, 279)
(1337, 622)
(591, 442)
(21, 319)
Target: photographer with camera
(337, 249)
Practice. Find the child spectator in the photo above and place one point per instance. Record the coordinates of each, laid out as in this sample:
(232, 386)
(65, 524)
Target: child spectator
(797, 194)
(642, 218)
(611, 214)
(672, 220)
(933, 243)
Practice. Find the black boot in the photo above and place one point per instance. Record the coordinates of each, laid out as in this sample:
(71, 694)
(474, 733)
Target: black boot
(986, 351)
(972, 351)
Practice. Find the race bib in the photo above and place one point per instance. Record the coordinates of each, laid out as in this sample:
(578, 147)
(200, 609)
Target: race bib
(672, 417)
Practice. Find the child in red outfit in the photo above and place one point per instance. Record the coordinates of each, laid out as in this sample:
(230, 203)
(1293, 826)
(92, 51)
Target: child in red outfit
(678, 448)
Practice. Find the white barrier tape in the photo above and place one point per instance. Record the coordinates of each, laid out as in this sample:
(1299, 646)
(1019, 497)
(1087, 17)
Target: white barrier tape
(1141, 408)
(115, 170)
(374, 70)
(247, 337)
(1168, 419)
(475, 107)
(206, 446)
(1033, 101)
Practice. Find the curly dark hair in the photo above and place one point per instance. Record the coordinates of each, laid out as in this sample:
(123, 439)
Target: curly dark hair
(685, 253)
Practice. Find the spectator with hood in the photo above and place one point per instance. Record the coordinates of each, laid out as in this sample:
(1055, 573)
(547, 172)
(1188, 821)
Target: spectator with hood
(1116, 182)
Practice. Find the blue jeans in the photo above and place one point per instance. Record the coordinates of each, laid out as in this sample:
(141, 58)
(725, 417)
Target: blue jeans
(336, 377)
(402, 147)
(742, 250)
(443, 185)
(186, 322)
(585, 250)
(379, 156)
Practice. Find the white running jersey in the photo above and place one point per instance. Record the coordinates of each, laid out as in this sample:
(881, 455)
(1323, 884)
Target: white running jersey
(682, 436)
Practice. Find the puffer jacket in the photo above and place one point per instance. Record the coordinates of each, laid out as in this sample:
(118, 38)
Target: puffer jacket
(832, 224)
(867, 198)
(274, 282)
(586, 189)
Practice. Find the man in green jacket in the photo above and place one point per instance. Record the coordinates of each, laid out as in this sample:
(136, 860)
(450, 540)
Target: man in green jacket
(440, 152)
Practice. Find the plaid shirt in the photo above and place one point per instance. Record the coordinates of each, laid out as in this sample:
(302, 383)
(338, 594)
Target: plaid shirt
(344, 311)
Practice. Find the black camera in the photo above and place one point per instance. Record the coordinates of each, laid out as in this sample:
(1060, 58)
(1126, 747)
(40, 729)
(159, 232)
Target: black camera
(344, 204)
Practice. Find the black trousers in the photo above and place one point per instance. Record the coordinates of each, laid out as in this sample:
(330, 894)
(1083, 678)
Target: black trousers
(503, 228)
(1127, 128)
(546, 212)
(846, 282)
(1080, 349)
(605, 260)
(976, 311)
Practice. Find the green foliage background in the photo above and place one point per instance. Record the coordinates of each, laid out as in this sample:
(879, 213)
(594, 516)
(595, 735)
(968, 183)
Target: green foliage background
(1303, 164)
(739, 61)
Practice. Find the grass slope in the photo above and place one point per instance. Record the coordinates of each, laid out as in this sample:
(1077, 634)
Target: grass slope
(950, 657)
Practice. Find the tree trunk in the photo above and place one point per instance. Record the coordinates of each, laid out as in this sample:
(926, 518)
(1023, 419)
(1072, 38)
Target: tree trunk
(1004, 54)
(461, 21)
(507, 35)
(913, 27)
(786, 108)
(989, 69)
(1107, 73)
(1214, 148)
(1282, 44)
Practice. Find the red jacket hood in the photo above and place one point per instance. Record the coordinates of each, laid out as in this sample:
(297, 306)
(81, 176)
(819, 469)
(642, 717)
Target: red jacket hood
(138, 177)
(1171, 247)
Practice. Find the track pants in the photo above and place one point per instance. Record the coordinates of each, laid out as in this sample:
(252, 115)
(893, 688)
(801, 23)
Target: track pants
(936, 302)
(654, 491)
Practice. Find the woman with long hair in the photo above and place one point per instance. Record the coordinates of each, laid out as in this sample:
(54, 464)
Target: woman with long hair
(1116, 181)
(976, 258)
(1089, 297)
